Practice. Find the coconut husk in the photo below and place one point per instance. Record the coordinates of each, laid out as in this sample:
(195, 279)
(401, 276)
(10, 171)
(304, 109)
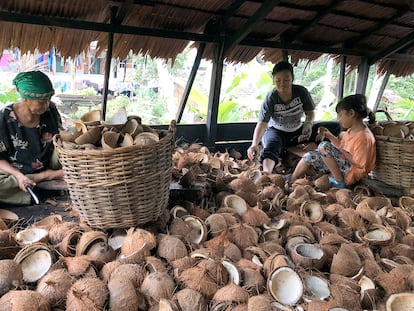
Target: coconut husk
(255, 217)
(231, 293)
(122, 295)
(155, 264)
(400, 249)
(346, 262)
(349, 217)
(253, 281)
(107, 269)
(232, 252)
(133, 273)
(299, 193)
(182, 264)
(178, 227)
(138, 239)
(243, 235)
(322, 183)
(88, 239)
(190, 300)
(402, 218)
(216, 270)
(157, 285)
(368, 214)
(230, 218)
(55, 285)
(308, 256)
(300, 230)
(243, 184)
(345, 297)
(87, 294)
(216, 224)
(11, 275)
(171, 248)
(198, 279)
(26, 300)
(400, 301)
(8, 244)
(91, 136)
(344, 197)
(407, 204)
(408, 240)
(58, 231)
(217, 245)
(263, 181)
(393, 282)
(318, 305)
(47, 222)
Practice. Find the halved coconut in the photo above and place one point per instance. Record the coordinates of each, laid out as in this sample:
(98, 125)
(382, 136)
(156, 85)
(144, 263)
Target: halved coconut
(235, 202)
(308, 255)
(317, 287)
(68, 245)
(171, 248)
(8, 217)
(132, 127)
(146, 138)
(128, 140)
(231, 293)
(32, 235)
(92, 117)
(198, 233)
(234, 273)
(90, 292)
(285, 286)
(54, 286)
(368, 292)
(189, 299)
(34, 263)
(271, 234)
(393, 130)
(122, 295)
(26, 300)
(346, 261)
(380, 235)
(11, 275)
(405, 202)
(400, 302)
(91, 136)
(216, 224)
(118, 120)
(135, 239)
(48, 222)
(109, 140)
(157, 285)
(88, 239)
(312, 210)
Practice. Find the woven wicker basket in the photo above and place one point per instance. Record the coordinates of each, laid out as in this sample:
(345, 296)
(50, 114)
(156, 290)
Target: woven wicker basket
(122, 187)
(395, 161)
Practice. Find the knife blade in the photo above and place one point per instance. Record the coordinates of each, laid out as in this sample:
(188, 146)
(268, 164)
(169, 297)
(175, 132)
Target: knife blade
(34, 196)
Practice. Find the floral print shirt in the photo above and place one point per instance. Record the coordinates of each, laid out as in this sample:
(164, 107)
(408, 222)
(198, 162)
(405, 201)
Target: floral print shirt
(28, 149)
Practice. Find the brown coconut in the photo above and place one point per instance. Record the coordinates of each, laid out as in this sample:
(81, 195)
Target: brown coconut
(107, 269)
(243, 235)
(171, 248)
(157, 285)
(344, 197)
(155, 264)
(26, 300)
(122, 295)
(190, 300)
(11, 275)
(87, 294)
(216, 224)
(322, 183)
(198, 279)
(55, 285)
(253, 281)
(133, 273)
(346, 262)
(77, 266)
(68, 245)
(231, 293)
(255, 217)
(138, 239)
(243, 184)
(58, 231)
(216, 270)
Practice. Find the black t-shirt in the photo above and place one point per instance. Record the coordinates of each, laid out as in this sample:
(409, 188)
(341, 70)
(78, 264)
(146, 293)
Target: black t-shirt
(28, 149)
(286, 116)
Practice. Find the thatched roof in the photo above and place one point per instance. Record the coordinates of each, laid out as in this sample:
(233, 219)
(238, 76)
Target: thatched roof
(380, 30)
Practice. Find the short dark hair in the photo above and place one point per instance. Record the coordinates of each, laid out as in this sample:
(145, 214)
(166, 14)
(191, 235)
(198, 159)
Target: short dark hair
(282, 66)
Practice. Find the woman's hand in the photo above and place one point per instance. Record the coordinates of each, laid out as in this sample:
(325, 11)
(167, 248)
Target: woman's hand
(23, 180)
(253, 151)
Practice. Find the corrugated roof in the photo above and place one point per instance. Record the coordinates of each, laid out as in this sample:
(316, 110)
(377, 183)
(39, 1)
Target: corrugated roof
(381, 30)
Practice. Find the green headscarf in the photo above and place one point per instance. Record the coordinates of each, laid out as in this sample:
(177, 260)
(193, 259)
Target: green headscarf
(33, 85)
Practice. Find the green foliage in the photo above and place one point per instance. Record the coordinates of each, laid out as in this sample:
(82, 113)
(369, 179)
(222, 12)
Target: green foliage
(8, 95)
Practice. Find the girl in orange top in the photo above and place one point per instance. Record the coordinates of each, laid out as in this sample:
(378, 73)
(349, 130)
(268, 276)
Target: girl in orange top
(349, 157)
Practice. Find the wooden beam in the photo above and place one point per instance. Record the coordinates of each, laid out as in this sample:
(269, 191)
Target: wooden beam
(214, 95)
(251, 22)
(190, 81)
(393, 48)
(341, 82)
(363, 71)
(108, 28)
(383, 85)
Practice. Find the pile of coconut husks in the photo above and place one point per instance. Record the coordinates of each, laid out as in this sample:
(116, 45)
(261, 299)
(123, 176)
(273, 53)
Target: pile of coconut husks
(253, 243)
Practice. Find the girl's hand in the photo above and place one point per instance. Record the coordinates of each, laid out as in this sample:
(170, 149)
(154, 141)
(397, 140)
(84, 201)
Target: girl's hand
(323, 133)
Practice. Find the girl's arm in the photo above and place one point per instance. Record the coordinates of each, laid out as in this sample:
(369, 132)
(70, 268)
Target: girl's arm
(323, 133)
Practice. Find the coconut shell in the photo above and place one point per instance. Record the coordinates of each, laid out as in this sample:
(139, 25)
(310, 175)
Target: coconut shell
(77, 266)
(243, 235)
(133, 273)
(55, 285)
(11, 275)
(255, 217)
(26, 300)
(344, 197)
(216, 224)
(155, 264)
(253, 281)
(276, 285)
(231, 293)
(243, 184)
(190, 300)
(87, 294)
(346, 262)
(322, 183)
(171, 248)
(8, 244)
(107, 269)
(58, 231)
(157, 285)
(198, 279)
(138, 239)
(400, 301)
(122, 295)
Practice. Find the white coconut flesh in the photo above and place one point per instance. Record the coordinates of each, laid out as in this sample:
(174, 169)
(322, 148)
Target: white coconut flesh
(312, 210)
(233, 271)
(338, 309)
(317, 287)
(32, 235)
(36, 265)
(236, 202)
(197, 233)
(400, 302)
(285, 285)
(309, 251)
(116, 241)
(378, 235)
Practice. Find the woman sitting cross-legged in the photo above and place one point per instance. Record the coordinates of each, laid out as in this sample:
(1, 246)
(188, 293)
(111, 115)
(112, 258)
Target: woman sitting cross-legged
(349, 157)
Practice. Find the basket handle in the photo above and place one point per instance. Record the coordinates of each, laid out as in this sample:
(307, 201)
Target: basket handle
(385, 112)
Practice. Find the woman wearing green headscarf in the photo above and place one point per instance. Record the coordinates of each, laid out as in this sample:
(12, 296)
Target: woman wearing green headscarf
(26, 132)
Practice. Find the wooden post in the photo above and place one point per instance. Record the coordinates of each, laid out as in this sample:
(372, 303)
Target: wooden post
(341, 81)
(383, 85)
(363, 70)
